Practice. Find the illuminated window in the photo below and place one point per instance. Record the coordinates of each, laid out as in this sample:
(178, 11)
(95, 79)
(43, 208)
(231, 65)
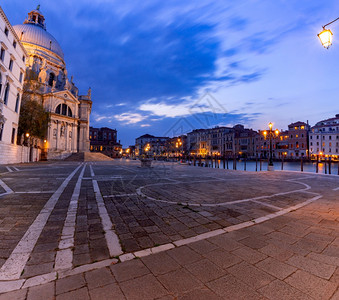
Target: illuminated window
(297, 136)
(302, 127)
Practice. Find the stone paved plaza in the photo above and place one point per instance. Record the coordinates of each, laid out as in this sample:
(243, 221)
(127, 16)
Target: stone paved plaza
(112, 230)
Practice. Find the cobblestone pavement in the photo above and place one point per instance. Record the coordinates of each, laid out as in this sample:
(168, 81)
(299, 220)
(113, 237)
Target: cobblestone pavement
(113, 230)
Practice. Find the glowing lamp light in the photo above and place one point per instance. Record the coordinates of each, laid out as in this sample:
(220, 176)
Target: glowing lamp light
(277, 132)
(270, 125)
(326, 38)
(27, 135)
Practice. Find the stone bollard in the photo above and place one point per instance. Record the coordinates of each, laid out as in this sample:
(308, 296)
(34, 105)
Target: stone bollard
(329, 165)
(282, 163)
(301, 165)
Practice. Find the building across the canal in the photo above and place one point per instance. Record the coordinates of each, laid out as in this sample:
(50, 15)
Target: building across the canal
(104, 140)
(324, 138)
(157, 145)
(47, 82)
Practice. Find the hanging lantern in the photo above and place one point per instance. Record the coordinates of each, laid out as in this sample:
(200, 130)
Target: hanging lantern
(326, 38)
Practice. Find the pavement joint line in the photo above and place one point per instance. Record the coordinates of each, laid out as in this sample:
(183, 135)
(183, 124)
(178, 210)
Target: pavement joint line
(9, 169)
(267, 204)
(120, 195)
(112, 239)
(64, 256)
(15, 264)
(6, 188)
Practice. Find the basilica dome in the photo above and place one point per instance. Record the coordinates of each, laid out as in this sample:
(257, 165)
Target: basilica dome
(34, 32)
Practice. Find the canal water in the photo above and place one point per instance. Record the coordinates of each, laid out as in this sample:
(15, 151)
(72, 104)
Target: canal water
(287, 166)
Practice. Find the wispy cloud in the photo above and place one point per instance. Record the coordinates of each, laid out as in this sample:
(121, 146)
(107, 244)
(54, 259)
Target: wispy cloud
(130, 118)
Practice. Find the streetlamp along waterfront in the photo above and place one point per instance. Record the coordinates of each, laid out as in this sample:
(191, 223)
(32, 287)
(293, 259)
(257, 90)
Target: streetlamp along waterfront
(326, 35)
(271, 134)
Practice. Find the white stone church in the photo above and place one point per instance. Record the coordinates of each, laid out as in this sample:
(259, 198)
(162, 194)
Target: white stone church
(47, 81)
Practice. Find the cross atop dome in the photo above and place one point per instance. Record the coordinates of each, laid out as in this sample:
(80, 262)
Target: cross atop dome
(36, 17)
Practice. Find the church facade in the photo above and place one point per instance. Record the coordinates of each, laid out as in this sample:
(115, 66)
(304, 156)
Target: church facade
(46, 81)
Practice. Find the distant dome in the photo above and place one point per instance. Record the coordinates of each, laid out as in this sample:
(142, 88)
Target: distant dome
(33, 31)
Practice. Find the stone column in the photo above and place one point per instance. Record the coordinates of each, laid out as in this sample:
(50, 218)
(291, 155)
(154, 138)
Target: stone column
(57, 135)
(66, 135)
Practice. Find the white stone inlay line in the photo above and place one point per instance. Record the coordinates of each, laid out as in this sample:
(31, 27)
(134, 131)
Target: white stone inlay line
(15, 264)
(6, 188)
(140, 193)
(64, 256)
(336, 189)
(16, 169)
(9, 169)
(110, 235)
(91, 170)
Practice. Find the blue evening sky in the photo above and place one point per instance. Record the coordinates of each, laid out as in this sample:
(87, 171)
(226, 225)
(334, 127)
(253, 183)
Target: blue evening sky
(167, 67)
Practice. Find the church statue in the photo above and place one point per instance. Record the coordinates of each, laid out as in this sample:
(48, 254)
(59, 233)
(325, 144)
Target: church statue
(89, 92)
(43, 72)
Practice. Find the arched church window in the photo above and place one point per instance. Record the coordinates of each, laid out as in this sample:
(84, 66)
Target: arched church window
(64, 109)
(58, 109)
(51, 79)
(69, 112)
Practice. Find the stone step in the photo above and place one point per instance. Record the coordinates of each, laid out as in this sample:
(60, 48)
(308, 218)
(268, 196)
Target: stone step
(88, 156)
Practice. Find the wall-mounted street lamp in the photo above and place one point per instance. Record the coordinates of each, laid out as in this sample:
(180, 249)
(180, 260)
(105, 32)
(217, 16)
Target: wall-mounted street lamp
(326, 35)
